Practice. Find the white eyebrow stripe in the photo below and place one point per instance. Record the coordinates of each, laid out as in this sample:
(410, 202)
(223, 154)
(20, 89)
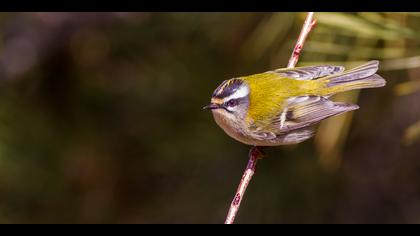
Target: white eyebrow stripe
(243, 91)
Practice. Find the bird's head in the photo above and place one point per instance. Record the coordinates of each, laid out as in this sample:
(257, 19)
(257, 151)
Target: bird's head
(230, 99)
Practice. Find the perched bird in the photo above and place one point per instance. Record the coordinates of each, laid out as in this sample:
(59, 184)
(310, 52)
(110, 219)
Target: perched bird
(281, 107)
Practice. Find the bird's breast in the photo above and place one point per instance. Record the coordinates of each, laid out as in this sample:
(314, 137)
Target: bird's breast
(235, 129)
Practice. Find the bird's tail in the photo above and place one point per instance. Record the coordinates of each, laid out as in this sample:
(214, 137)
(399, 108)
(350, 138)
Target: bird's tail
(357, 78)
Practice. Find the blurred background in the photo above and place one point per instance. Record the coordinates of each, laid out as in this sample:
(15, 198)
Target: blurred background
(101, 120)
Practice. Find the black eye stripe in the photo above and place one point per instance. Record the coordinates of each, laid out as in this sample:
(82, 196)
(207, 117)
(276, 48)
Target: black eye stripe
(232, 102)
(227, 110)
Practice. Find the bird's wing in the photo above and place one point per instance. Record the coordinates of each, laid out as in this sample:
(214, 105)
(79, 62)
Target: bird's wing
(304, 111)
(293, 137)
(309, 72)
(298, 114)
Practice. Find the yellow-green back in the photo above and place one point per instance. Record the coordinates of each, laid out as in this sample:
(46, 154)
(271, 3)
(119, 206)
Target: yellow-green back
(269, 91)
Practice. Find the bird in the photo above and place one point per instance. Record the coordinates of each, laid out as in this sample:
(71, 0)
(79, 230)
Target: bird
(282, 106)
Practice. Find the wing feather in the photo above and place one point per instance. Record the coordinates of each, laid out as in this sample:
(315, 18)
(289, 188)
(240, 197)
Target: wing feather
(309, 72)
(304, 111)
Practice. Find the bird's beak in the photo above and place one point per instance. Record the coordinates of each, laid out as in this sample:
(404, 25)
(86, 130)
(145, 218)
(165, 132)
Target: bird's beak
(211, 106)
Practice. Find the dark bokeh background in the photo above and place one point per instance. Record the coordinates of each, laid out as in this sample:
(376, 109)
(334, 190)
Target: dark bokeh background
(101, 120)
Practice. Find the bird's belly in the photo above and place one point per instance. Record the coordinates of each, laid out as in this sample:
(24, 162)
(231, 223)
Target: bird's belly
(236, 132)
(232, 129)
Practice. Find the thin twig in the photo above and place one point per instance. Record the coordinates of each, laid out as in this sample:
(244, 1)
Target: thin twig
(307, 27)
(256, 152)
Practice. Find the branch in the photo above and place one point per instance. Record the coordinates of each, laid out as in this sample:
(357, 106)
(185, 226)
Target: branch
(256, 152)
(307, 27)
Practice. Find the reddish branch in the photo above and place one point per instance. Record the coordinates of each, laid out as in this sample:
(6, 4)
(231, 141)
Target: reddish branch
(256, 152)
(310, 22)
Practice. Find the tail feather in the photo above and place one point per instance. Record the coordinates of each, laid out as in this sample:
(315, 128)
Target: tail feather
(357, 78)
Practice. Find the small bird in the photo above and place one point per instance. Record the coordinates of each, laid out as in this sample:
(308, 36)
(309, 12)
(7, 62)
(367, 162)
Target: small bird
(281, 107)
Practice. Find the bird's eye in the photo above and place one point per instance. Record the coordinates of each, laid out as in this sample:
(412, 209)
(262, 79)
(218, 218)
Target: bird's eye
(231, 103)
